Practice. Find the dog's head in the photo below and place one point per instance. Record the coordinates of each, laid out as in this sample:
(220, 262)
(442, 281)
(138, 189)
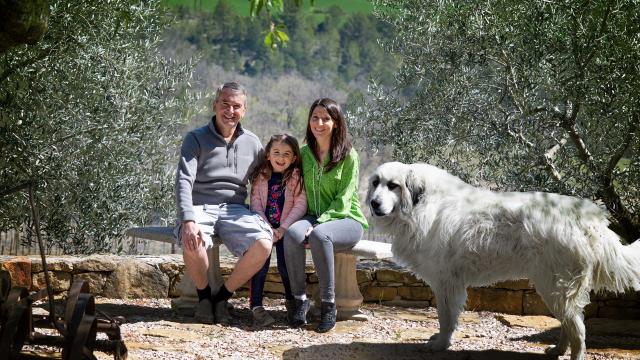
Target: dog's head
(394, 189)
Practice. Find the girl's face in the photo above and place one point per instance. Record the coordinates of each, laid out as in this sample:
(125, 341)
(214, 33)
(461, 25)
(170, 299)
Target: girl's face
(280, 156)
(321, 123)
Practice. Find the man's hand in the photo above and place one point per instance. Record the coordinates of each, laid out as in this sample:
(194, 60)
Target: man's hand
(191, 235)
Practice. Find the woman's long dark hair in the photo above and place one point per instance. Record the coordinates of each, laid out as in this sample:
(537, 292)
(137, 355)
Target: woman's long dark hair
(265, 170)
(340, 143)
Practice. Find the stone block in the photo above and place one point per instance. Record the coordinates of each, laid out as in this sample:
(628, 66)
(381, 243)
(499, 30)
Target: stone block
(95, 280)
(96, 263)
(623, 313)
(136, 279)
(364, 276)
(377, 294)
(226, 269)
(415, 293)
(173, 285)
(498, 300)
(274, 277)
(532, 304)
(591, 310)
(273, 287)
(60, 281)
(395, 276)
(172, 266)
(522, 284)
(312, 278)
(19, 269)
(622, 302)
(64, 264)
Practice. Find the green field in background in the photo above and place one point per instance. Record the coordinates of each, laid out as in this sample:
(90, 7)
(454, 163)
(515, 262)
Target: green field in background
(242, 6)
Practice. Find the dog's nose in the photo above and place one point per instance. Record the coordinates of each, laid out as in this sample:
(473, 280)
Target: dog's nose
(375, 204)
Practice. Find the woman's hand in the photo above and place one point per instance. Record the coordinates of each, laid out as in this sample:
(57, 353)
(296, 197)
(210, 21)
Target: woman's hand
(191, 235)
(308, 232)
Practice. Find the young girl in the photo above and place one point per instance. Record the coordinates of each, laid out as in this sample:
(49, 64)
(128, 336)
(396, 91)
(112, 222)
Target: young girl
(278, 196)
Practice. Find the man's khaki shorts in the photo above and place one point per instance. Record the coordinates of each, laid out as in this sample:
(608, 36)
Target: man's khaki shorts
(236, 225)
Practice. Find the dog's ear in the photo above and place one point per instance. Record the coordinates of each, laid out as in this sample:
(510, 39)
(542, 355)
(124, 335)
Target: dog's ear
(412, 191)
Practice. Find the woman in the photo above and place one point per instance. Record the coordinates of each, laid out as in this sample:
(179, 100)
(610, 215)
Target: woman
(334, 220)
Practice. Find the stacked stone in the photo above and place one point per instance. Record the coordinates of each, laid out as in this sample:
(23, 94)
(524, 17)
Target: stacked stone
(379, 281)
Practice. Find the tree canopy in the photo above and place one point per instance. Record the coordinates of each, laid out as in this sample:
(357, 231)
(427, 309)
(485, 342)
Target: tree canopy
(520, 95)
(91, 113)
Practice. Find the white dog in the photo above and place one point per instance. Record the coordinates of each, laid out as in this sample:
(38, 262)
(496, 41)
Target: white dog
(454, 235)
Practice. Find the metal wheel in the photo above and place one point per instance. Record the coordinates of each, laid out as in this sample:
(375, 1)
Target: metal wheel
(16, 324)
(81, 329)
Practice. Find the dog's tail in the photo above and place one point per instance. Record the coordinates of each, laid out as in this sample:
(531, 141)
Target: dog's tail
(617, 266)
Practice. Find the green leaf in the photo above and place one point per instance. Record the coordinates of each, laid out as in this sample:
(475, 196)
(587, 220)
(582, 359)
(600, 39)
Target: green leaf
(282, 36)
(268, 41)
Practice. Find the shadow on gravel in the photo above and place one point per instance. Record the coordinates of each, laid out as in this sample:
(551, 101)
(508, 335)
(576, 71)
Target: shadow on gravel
(399, 351)
(136, 313)
(593, 341)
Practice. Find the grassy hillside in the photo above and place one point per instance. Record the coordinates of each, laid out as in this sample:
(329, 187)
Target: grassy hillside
(242, 6)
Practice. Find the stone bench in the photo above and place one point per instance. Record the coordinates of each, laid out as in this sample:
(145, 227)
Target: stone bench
(348, 296)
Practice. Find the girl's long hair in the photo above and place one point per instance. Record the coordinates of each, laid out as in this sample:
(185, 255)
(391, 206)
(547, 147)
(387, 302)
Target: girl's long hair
(340, 144)
(265, 170)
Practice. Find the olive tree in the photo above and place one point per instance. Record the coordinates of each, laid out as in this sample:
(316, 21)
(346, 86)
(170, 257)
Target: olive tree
(517, 95)
(91, 114)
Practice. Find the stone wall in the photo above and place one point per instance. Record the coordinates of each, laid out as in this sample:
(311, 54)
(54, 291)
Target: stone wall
(380, 281)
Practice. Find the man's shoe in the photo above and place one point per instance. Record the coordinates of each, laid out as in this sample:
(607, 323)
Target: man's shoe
(204, 312)
(328, 314)
(261, 317)
(291, 309)
(300, 312)
(221, 312)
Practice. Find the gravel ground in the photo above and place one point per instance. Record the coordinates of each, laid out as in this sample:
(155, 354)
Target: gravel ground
(153, 331)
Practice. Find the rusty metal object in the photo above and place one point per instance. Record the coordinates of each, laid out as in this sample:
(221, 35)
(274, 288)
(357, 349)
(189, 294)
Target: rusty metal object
(76, 329)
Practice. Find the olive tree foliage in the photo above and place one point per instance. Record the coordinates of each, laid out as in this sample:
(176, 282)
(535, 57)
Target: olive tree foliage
(518, 95)
(92, 115)
(276, 34)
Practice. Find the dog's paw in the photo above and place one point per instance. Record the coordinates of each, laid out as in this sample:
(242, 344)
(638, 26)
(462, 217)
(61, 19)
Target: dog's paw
(438, 342)
(555, 351)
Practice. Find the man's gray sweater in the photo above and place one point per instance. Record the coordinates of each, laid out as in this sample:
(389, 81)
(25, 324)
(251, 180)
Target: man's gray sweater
(211, 171)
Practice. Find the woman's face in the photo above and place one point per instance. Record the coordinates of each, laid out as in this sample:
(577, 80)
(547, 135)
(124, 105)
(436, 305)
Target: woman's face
(321, 123)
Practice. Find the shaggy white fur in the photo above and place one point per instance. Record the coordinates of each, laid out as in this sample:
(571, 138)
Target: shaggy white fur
(454, 235)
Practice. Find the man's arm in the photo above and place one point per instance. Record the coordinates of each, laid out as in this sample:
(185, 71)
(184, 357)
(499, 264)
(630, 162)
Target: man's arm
(185, 177)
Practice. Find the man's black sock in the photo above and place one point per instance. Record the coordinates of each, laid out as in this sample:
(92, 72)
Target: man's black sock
(205, 293)
(222, 295)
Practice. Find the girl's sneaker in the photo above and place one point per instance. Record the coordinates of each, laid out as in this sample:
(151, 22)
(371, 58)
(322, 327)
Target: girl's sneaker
(300, 312)
(261, 317)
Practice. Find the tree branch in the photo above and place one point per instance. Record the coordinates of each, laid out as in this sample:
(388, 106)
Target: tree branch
(569, 124)
(622, 148)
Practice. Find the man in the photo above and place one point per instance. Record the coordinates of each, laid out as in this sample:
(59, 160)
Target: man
(211, 188)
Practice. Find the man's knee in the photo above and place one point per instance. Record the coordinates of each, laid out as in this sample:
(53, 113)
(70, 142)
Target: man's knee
(263, 247)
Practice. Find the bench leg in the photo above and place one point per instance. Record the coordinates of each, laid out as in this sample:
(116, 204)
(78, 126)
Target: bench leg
(348, 296)
(184, 304)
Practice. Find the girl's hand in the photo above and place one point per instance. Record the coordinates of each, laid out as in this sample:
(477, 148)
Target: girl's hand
(277, 234)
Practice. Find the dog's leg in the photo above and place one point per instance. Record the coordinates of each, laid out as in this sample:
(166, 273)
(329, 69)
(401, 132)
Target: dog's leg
(572, 329)
(450, 302)
(555, 304)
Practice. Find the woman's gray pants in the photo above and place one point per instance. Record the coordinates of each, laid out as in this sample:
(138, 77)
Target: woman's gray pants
(324, 240)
